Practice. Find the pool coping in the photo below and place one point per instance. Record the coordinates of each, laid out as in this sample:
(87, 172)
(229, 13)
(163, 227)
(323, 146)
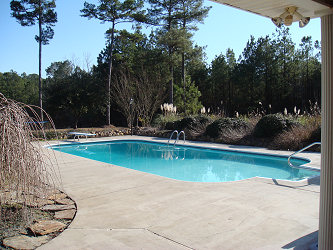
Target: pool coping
(312, 156)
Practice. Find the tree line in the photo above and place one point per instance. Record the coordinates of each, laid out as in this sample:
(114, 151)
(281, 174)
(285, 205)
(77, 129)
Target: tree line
(136, 72)
(271, 74)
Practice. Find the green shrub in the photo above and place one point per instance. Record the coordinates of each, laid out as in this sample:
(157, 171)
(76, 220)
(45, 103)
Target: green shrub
(162, 121)
(51, 135)
(189, 122)
(203, 119)
(217, 128)
(273, 124)
(186, 122)
(173, 125)
(181, 124)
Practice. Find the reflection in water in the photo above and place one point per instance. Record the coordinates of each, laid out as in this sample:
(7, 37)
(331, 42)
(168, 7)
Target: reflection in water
(170, 153)
(189, 163)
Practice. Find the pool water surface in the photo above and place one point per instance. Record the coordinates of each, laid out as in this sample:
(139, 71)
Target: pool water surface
(188, 163)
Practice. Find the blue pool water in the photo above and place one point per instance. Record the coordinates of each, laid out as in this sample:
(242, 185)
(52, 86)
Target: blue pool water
(188, 163)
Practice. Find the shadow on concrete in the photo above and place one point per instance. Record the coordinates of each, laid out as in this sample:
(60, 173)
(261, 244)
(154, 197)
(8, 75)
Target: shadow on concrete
(314, 181)
(311, 181)
(307, 242)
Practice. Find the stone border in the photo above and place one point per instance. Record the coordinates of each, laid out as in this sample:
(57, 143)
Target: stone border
(40, 232)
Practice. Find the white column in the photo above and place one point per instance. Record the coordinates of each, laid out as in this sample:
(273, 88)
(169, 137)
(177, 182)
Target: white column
(325, 239)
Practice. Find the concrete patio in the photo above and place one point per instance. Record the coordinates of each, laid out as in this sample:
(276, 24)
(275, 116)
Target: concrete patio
(120, 208)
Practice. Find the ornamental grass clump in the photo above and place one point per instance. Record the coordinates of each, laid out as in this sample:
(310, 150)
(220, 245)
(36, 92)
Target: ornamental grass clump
(295, 138)
(306, 132)
(26, 173)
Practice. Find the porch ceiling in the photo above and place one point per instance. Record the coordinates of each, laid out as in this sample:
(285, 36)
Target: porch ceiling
(274, 8)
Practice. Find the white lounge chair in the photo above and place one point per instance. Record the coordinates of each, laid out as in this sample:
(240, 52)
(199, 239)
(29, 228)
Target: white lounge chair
(78, 134)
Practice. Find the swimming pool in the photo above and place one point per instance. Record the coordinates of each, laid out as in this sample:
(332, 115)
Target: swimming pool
(188, 163)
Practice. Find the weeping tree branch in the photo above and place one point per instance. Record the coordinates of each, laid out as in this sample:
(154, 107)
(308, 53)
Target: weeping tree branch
(26, 171)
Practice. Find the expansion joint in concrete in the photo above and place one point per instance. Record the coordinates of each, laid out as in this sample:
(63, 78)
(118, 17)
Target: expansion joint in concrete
(164, 237)
(132, 229)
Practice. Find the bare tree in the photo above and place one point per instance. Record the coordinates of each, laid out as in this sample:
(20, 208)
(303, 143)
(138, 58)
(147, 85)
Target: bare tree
(147, 91)
(122, 92)
(150, 93)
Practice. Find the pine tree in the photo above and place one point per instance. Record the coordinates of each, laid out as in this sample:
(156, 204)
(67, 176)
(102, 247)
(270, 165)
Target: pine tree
(114, 12)
(30, 12)
(193, 105)
(177, 18)
(189, 12)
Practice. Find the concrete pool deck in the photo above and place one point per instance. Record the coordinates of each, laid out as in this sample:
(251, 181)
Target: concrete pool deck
(120, 208)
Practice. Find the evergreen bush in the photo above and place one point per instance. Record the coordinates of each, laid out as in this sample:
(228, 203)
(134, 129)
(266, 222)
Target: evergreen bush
(273, 124)
(217, 128)
(203, 119)
(189, 122)
(173, 125)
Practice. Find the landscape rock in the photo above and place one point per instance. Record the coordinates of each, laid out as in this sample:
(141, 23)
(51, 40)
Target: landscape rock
(57, 196)
(53, 191)
(23, 231)
(46, 227)
(39, 202)
(65, 215)
(65, 201)
(25, 242)
(57, 207)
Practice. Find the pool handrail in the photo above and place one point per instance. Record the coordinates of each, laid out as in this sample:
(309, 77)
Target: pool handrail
(299, 151)
(178, 136)
(173, 132)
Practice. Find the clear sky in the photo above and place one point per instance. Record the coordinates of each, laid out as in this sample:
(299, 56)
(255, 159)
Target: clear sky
(80, 40)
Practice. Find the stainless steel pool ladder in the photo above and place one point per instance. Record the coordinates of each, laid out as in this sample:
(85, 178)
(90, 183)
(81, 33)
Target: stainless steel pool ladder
(177, 136)
(174, 132)
(299, 151)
